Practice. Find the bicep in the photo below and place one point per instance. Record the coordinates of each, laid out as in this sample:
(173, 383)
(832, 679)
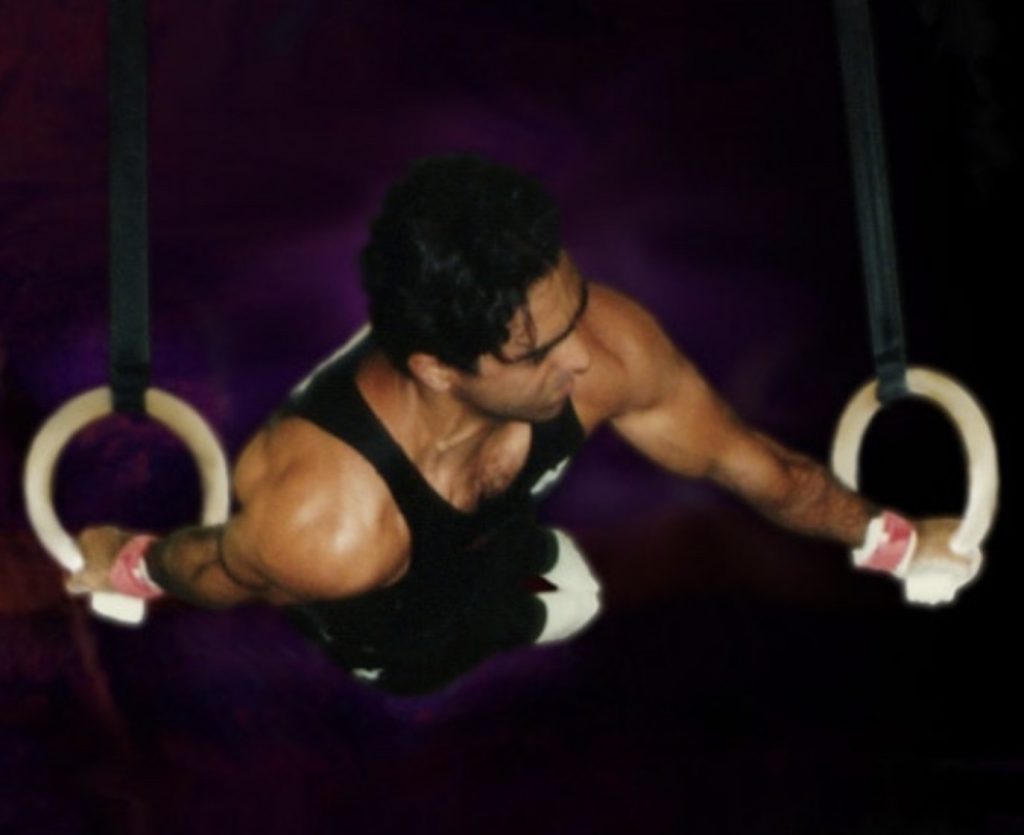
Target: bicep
(683, 425)
(662, 405)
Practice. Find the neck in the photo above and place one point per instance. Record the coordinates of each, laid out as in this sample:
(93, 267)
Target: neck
(436, 425)
(448, 424)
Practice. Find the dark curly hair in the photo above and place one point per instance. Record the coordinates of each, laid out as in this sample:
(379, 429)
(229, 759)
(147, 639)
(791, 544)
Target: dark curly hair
(456, 245)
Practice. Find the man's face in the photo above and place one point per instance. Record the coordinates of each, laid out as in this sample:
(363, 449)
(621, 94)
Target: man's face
(533, 373)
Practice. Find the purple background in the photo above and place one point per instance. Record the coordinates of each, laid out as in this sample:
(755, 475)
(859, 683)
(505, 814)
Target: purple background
(742, 679)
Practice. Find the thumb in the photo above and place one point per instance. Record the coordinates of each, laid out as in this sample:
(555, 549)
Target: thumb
(86, 580)
(77, 584)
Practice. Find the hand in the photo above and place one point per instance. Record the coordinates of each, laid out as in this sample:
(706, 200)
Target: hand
(936, 572)
(99, 546)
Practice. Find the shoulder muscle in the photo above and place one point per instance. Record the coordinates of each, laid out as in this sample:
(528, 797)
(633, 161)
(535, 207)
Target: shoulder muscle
(316, 519)
(634, 360)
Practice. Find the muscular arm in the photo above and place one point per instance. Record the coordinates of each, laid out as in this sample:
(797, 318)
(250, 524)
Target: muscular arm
(664, 407)
(191, 564)
(803, 496)
(313, 526)
(295, 540)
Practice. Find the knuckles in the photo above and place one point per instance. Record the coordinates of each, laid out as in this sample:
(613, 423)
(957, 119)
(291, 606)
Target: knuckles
(98, 540)
(87, 538)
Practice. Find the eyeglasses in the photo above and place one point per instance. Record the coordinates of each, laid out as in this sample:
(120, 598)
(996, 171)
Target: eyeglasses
(537, 355)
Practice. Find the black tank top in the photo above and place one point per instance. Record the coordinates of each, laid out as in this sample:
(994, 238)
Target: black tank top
(465, 581)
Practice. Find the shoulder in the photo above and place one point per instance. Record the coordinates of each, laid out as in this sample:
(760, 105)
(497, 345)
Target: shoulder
(631, 357)
(657, 399)
(316, 517)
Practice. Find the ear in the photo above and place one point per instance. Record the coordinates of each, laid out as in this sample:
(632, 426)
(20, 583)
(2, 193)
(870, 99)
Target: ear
(430, 371)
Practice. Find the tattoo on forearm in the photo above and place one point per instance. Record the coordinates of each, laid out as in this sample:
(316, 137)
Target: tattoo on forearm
(197, 551)
(157, 568)
(231, 575)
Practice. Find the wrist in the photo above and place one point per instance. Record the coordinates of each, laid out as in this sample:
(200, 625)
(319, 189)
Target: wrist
(889, 544)
(129, 575)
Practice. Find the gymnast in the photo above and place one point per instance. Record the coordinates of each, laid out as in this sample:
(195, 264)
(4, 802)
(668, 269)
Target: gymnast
(388, 505)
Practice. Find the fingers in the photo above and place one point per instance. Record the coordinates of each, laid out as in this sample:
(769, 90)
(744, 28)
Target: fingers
(79, 583)
(100, 540)
(99, 546)
(936, 579)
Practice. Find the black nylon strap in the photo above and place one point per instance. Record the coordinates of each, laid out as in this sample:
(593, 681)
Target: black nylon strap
(128, 254)
(871, 185)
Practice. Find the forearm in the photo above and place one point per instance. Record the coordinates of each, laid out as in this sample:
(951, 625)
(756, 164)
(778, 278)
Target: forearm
(816, 504)
(189, 564)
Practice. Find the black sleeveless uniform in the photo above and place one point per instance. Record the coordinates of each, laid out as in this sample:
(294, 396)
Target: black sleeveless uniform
(465, 595)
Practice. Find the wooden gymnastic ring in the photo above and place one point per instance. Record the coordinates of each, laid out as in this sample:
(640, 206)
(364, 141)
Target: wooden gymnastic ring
(68, 420)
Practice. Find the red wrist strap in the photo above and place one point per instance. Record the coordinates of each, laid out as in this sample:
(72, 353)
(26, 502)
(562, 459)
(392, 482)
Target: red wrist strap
(889, 545)
(128, 574)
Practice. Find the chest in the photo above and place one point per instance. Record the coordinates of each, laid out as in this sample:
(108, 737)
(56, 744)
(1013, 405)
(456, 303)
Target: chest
(489, 473)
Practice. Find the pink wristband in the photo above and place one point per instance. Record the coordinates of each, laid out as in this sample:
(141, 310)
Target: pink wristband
(128, 574)
(888, 546)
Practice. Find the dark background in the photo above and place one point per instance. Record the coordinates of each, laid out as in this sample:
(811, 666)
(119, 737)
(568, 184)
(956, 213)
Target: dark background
(742, 677)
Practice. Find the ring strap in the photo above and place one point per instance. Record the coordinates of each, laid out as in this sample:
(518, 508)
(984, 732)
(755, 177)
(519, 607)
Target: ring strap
(871, 187)
(128, 256)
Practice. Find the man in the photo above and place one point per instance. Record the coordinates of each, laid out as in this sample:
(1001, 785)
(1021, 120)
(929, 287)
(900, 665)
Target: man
(388, 504)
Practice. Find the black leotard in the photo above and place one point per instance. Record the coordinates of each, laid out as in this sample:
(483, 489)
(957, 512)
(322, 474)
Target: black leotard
(464, 595)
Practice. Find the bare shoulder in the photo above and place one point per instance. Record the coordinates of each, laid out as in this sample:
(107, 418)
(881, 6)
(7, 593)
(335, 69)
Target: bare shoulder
(630, 354)
(316, 518)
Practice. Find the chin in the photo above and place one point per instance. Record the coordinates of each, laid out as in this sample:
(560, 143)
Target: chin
(555, 409)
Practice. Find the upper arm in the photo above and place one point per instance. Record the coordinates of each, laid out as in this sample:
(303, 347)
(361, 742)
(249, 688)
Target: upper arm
(668, 411)
(305, 532)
